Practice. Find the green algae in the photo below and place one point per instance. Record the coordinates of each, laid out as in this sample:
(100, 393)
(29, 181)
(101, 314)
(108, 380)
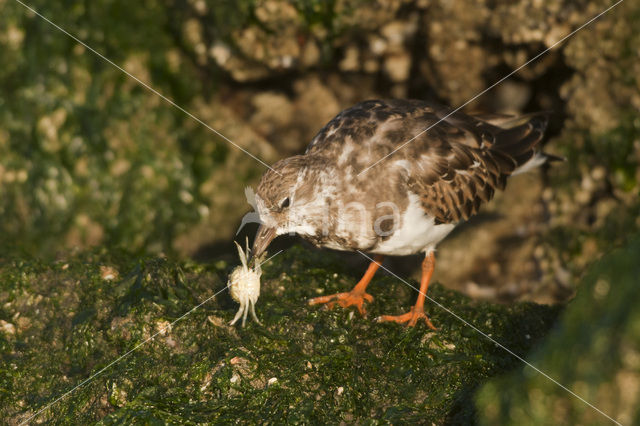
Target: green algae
(87, 156)
(594, 352)
(305, 365)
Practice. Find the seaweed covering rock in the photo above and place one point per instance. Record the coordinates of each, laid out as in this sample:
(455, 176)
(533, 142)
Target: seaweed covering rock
(304, 365)
(600, 326)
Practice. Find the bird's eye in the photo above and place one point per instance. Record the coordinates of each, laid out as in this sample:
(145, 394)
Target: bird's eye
(285, 203)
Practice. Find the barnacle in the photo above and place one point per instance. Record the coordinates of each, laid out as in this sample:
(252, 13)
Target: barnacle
(244, 286)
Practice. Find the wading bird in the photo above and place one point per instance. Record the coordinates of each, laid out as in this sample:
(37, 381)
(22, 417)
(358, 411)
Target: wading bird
(373, 180)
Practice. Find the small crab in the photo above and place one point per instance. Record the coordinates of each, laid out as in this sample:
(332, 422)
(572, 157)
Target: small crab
(244, 286)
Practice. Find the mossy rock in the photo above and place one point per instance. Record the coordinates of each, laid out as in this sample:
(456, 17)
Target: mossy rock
(65, 321)
(595, 353)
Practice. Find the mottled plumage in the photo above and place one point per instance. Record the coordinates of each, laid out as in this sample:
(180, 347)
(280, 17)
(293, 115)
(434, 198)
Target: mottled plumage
(454, 167)
(412, 199)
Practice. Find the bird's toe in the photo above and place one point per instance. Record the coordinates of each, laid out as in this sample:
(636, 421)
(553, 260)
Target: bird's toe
(411, 318)
(352, 298)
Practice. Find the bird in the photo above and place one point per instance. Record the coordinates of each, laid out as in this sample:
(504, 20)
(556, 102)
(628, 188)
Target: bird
(394, 178)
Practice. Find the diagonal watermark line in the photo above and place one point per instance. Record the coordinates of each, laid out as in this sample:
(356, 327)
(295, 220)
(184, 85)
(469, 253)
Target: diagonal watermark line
(93, 376)
(494, 341)
(257, 159)
(270, 257)
(129, 352)
(142, 83)
(493, 85)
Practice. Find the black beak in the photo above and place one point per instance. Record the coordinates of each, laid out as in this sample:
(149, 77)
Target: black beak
(263, 238)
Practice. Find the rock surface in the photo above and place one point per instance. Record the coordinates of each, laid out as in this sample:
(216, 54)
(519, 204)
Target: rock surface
(64, 322)
(595, 352)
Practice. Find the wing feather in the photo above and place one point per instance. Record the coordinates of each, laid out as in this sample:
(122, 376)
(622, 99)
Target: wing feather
(454, 167)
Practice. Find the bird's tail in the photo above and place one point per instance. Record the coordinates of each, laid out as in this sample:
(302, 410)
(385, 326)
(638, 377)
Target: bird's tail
(519, 138)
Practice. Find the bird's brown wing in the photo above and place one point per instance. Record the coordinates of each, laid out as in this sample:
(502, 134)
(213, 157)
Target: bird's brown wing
(379, 125)
(454, 166)
(452, 187)
(471, 160)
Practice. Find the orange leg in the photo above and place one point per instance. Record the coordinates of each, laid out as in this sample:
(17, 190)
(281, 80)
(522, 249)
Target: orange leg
(417, 312)
(357, 295)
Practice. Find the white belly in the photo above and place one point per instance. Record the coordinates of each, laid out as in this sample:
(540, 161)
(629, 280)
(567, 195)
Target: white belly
(417, 232)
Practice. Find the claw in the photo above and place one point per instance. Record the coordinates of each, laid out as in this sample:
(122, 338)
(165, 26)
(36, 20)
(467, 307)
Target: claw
(411, 318)
(351, 298)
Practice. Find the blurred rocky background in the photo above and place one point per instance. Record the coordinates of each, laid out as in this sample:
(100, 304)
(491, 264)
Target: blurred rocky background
(92, 160)
(89, 157)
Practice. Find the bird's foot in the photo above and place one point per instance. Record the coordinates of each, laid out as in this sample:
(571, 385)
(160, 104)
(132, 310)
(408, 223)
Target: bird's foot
(411, 318)
(351, 298)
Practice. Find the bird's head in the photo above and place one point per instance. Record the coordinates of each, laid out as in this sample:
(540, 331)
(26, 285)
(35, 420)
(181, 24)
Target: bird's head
(278, 201)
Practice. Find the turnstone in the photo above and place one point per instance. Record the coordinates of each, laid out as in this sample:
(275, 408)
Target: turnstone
(410, 200)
